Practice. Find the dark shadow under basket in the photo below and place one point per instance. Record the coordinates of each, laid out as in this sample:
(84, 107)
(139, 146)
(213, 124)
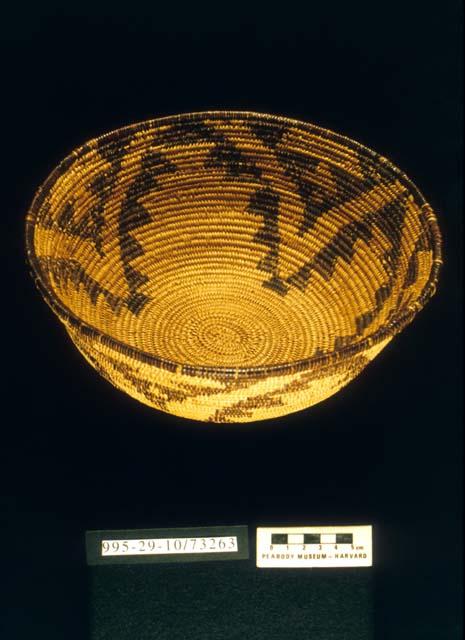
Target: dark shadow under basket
(231, 266)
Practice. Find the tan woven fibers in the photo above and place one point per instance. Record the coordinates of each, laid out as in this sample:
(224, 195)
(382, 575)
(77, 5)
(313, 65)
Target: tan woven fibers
(231, 266)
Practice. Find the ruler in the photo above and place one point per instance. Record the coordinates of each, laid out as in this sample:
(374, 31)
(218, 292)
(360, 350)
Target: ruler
(300, 547)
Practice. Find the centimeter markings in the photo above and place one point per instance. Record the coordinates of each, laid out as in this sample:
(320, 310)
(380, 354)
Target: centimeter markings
(312, 538)
(327, 546)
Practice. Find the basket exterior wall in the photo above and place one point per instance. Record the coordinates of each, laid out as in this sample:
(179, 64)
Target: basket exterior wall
(226, 399)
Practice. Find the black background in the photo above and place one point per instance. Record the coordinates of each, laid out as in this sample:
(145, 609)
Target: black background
(77, 454)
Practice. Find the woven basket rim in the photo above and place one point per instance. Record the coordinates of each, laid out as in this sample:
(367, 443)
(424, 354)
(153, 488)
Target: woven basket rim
(394, 326)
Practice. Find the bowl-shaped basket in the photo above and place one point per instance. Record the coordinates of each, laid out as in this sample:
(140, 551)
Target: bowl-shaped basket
(231, 266)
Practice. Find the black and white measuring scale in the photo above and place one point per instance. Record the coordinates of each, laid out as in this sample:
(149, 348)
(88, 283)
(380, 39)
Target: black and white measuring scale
(347, 546)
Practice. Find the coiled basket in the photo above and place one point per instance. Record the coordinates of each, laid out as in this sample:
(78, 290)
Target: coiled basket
(231, 266)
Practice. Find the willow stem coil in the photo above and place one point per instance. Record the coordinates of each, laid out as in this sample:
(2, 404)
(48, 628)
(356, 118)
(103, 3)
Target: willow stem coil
(231, 266)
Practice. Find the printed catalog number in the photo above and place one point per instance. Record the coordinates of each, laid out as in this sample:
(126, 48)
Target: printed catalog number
(150, 546)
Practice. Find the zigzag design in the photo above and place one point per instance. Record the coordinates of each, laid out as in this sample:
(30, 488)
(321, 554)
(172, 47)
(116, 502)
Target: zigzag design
(395, 211)
(91, 224)
(132, 216)
(423, 243)
(315, 199)
(224, 155)
(64, 271)
(265, 202)
(325, 261)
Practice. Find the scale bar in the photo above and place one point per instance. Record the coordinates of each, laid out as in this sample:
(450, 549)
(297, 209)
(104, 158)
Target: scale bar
(312, 538)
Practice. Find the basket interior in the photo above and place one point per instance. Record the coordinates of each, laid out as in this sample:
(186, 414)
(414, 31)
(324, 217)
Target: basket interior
(231, 240)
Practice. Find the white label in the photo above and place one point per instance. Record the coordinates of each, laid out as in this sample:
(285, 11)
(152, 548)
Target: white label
(160, 546)
(314, 546)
